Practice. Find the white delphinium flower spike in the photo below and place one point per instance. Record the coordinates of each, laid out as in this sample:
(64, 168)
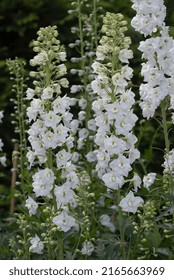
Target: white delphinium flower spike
(113, 113)
(150, 15)
(52, 130)
(158, 52)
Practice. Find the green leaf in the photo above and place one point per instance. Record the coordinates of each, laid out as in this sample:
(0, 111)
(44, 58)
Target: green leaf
(154, 238)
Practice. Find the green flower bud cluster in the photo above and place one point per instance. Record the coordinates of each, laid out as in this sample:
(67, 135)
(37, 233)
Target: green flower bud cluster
(85, 201)
(50, 53)
(143, 228)
(114, 40)
(18, 76)
(19, 246)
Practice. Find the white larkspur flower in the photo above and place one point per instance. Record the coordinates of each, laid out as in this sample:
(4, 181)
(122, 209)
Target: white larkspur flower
(82, 115)
(169, 162)
(83, 133)
(64, 221)
(130, 203)
(51, 119)
(150, 15)
(62, 56)
(49, 140)
(125, 55)
(30, 93)
(61, 133)
(3, 160)
(136, 182)
(43, 182)
(1, 116)
(31, 205)
(64, 196)
(62, 157)
(121, 165)
(149, 179)
(36, 107)
(114, 145)
(61, 104)
(47, 93)
(82, 103)
(91, 157)
(105, 220)
(112, 180)
(36, 245)
(72, 179)
(92, 125)
(103, 158)
(76, 88)
(39, 59)
(87, 248)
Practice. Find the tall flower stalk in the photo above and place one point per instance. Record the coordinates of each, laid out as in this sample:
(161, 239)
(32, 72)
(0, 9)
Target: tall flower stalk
(157, 70)
(18, 76)
(156, 92)
(113, 112)
(51, 136)
(85, 44)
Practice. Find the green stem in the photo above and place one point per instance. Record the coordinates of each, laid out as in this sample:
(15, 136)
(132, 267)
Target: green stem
(120, 221)
(82, 54)
(20, 132)
(85, 78)
(165, 129)
(95, 23)
(167, 145)
(61, 256)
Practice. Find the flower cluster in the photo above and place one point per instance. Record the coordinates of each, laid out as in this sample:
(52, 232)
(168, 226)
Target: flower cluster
(158, 52)
(169, 163)
(114, 116)
(52, 129)
(36, 245)
(157, 72)
(149, 15)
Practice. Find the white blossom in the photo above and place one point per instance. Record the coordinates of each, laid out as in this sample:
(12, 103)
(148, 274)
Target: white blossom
(47, 93)
(87, 248)
(105, 220)
(43, 182)
(1, 116)
(130, 203)
(149, 179)
(3, 160)
(36, 245)
(31, 205)
(150, 15)
(62, 157)
(64, 222)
